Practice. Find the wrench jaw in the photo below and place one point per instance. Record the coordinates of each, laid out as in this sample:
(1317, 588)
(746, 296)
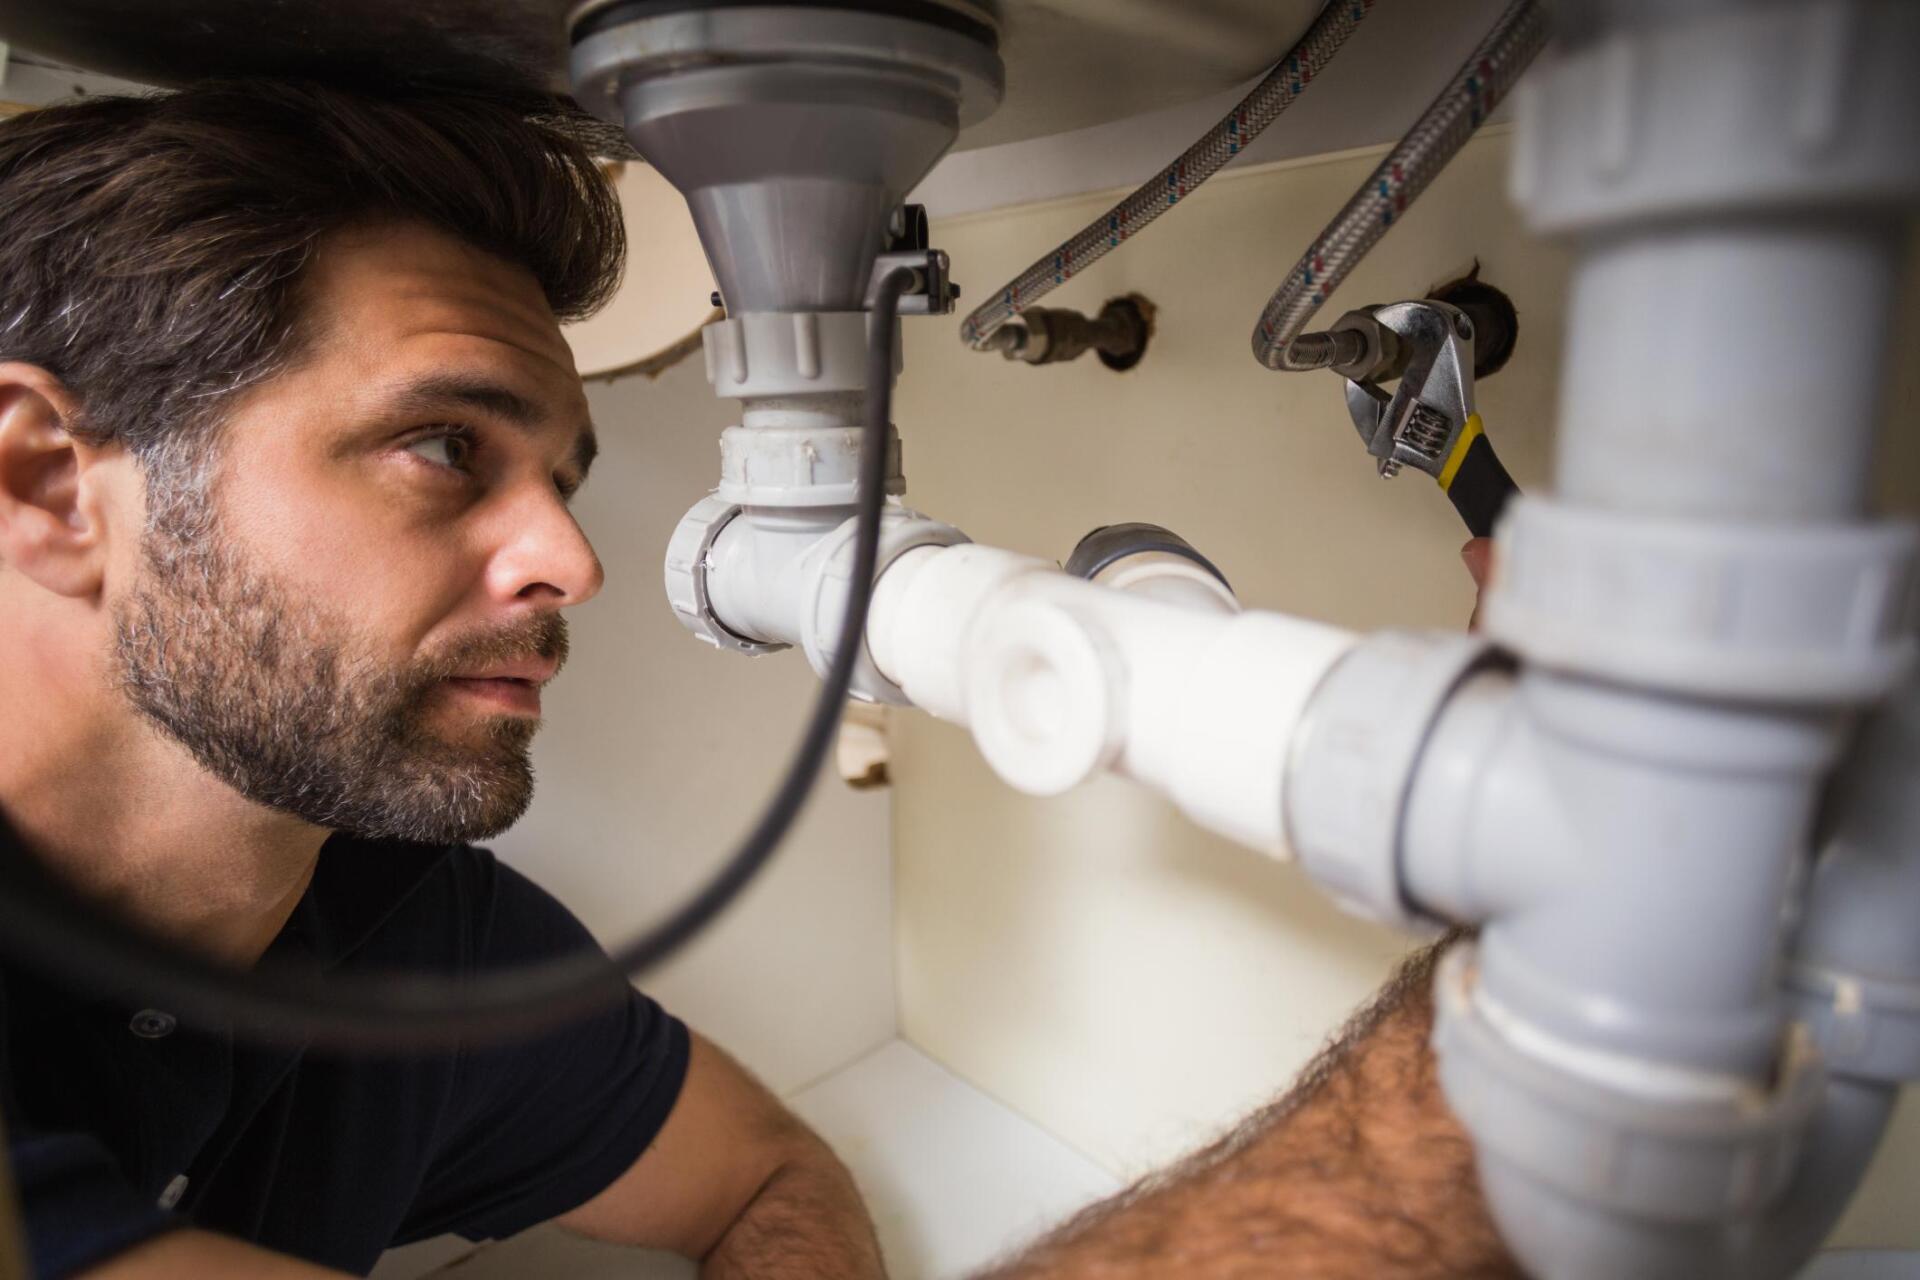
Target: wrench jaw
(1426, 349)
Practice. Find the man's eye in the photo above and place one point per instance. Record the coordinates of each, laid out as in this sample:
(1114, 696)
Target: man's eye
(452, 451)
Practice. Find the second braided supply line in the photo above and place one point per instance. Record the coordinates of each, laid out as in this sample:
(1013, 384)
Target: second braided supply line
(1263, 104)
(1442, 129)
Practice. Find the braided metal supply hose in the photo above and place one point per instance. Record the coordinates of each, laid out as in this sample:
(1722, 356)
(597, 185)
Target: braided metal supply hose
(1274, 94)
(1462, 107)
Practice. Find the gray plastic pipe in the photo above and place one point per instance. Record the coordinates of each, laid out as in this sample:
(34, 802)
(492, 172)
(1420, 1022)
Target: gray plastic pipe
(1661, 1078)
(1728, 371)
(1839, 1145)
(1597, 815)
(1855, 975)
(1484, 842)
(1861, 908)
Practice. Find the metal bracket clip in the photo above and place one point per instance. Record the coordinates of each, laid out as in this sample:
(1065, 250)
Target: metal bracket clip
(933, 292)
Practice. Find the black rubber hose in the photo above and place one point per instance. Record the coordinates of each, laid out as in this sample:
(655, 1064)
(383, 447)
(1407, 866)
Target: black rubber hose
(47, 926)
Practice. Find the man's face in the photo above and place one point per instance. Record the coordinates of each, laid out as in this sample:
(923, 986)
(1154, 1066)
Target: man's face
(350, 619)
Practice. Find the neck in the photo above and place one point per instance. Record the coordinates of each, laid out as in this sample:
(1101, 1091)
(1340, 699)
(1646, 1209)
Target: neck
(132, 820)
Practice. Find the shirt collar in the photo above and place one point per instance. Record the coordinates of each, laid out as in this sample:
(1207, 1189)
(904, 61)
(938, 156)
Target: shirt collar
(357, 886)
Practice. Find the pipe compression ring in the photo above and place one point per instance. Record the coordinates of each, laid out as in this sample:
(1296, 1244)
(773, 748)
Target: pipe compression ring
(1716, 1158)
(830, 562)
(688, 552)
(1351, 768)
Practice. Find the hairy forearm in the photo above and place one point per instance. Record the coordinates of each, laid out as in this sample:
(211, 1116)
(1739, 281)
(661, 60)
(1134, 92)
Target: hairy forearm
(806, 1222)
(1359, 1173)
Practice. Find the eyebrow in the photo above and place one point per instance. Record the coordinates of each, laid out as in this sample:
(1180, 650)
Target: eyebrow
(432, 393)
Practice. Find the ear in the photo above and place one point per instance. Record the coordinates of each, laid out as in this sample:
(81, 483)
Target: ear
(52, 519)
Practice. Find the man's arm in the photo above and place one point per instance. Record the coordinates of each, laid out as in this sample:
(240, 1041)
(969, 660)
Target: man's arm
(1359, 1173)
(735, 1180)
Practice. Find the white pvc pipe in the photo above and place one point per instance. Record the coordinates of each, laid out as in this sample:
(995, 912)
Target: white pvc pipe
(753, 575)
(1060, 678)
(1162, 575)
(917, 631)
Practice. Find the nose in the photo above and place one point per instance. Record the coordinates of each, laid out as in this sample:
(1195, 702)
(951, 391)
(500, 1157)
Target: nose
(542, 557)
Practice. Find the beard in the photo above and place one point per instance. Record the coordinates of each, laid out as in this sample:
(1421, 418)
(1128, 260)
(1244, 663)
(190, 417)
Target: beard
(290, 706)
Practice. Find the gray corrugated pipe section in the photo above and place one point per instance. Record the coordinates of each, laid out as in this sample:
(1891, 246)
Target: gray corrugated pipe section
(1443, 128)
(1286, 82)
(1626, 781)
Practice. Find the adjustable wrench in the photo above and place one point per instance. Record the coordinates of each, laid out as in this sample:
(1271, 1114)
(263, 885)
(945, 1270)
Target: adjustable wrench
(1427, 420)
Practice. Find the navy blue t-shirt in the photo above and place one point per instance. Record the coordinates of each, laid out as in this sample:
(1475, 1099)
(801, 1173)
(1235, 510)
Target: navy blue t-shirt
(121, 1123)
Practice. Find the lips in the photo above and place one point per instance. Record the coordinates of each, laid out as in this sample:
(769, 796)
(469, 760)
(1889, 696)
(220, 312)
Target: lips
(528, 671)
(512, 686)
(502, 693)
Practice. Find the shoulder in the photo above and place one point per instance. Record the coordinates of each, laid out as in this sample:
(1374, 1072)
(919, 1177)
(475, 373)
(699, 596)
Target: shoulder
(514, 920)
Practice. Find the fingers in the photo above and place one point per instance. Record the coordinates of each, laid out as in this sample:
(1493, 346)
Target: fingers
(1478, 557)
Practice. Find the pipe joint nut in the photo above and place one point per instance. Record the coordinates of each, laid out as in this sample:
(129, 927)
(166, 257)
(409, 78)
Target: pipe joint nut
(828, 568)
(1351, 767)
(1106, 546)
(799, 466)
(1715, 1152)
(689, 551)
(1618, 126)
(766, 354)
(1807, 614)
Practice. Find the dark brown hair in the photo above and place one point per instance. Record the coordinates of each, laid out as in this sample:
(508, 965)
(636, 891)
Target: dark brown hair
(151, 247)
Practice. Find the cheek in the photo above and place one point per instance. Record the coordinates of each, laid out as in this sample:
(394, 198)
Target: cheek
(116, 501)
(393, 572)
(126, 561)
